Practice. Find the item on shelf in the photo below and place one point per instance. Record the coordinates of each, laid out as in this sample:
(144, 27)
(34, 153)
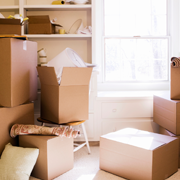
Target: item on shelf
(75, 26)
(67, 58)
(62, 31)
(80, 1)
(18, 16)
(58, 2)
(42, 56)
(1, 16)
(84, 30)
(41, 25)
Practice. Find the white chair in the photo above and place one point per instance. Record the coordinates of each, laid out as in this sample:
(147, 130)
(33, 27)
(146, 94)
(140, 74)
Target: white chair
(81, 123)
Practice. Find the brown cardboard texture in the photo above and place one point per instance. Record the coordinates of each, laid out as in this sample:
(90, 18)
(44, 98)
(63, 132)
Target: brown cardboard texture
(55, 155)
(166, 113)
(41, 25)
(168, 133)
(23, 114)
(10, 26)
(18, 74)
(175, 83)
(135, 154)
(68, 101)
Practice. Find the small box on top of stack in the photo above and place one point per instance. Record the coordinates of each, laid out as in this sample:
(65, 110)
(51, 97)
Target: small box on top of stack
(18, 84)
(65, 88)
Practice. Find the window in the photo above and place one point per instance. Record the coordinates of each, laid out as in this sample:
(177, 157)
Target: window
(136, 41)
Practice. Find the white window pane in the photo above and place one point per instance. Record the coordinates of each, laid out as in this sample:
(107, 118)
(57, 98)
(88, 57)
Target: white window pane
(143, 25)
(159, 25)
(159, 6)
(143, 6)
(136, 59)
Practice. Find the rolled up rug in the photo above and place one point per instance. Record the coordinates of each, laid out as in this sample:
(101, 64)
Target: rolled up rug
(175, 61)
(63, 131)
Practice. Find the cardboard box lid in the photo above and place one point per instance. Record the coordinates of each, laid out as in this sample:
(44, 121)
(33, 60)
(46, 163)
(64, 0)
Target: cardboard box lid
(10, 21)
(143, 139)
(70, 76)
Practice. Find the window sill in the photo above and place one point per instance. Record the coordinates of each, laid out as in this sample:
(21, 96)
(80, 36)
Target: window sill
(128, 95)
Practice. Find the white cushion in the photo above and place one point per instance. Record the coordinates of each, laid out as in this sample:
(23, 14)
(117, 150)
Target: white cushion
(17, 163)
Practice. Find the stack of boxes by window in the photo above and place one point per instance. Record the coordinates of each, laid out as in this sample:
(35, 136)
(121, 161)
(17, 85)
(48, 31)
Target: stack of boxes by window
(166, 107)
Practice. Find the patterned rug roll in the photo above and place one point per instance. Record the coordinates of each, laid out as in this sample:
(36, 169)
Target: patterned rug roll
(175, 61)
(63, 131)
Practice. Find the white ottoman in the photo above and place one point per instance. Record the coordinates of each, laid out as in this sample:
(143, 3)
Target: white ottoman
(139, 155)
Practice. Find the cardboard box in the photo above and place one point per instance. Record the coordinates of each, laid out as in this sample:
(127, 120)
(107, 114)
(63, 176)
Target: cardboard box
(168, 133)
(41, 25)
(68, 101)
(10, 26)
(136, 154)
(166, 113)
(55, 155)
(18, 74)
(175, 83)
(23, 114)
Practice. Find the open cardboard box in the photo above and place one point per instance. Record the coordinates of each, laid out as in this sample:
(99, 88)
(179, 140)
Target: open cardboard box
(23, 114)
(18, 74)
(41, 25)
(166, 112)
(139, 155)
(68, 101)
(10, 26)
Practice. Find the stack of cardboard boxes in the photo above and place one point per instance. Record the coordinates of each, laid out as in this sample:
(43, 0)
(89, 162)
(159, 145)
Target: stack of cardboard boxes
(18, 85)
(166, 108)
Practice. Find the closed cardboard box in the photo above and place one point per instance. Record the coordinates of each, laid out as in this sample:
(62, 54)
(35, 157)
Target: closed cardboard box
(18, 74)
(166, 113)
(55, 155)
(68, 101)
(10, 26)
(41, 25)
(23, 114)
(175, 83)
(168, 133)
(139, 155)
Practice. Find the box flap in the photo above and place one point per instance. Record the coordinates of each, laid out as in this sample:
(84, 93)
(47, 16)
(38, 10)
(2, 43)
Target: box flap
(47, 75)
(42, 19)
(76, 76)
(143, 139)
(10, 21)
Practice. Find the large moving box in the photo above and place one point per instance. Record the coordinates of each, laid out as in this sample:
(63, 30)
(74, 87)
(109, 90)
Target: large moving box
(175, 83)
(23, 114)
(166, 113)
(68, 101)
(18, 74)
(168, 133)
(10, 26)
(55, 155)
(139, 155)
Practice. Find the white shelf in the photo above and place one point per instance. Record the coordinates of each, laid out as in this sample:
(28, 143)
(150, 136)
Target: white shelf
(9, 7)
(55, 7)
(58, 36)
